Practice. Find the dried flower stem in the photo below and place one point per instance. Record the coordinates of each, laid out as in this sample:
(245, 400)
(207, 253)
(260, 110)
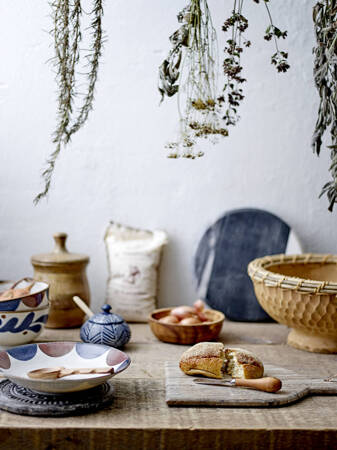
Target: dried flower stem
(325, 76)
(67, 37)
(191, 70)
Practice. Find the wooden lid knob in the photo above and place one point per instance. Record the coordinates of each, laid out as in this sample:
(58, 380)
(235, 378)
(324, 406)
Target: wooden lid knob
(60, 242)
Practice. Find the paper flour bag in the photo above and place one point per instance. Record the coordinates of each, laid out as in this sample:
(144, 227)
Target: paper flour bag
(133, 261)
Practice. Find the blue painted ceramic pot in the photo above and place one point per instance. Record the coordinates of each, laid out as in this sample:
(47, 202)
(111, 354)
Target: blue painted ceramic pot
(106, 328)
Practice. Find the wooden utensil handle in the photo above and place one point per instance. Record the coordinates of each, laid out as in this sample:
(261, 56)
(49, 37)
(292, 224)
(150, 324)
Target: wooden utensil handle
(266, 384)
(51, 373)
(27, 279)
(80, 303)
(65, 372)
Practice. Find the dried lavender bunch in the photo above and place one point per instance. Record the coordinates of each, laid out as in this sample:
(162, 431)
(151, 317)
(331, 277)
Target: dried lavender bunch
(325, 76)
(67, 38)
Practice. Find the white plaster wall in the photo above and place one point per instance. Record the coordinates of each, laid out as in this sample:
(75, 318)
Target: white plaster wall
(116, 166)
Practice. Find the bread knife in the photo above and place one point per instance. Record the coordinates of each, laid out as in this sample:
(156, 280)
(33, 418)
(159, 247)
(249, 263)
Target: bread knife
(266, 384)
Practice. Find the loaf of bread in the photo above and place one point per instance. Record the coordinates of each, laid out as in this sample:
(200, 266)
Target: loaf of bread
(205, 358)
(214, 360)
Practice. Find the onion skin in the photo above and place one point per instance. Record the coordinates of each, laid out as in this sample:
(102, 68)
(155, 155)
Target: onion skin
(169, 319)
(183, 312)
(199, 305)
(189, 321)
(202, 316)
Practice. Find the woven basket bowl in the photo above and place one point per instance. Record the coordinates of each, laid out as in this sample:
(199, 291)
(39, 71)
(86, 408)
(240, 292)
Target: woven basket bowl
(186, 334)
(300, 291)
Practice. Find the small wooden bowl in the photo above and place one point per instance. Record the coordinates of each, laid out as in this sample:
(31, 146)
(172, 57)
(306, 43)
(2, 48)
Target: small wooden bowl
(186, 334)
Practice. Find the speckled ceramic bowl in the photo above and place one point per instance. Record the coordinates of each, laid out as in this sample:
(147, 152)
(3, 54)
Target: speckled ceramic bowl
(21, 327)
(36, 299)
(18, 361)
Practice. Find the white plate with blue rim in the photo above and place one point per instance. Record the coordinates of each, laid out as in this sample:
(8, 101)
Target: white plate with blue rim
(17, 362)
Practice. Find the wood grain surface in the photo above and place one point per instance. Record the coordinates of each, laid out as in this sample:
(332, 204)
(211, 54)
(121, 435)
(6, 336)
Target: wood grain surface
(182, 391)
(139, 418)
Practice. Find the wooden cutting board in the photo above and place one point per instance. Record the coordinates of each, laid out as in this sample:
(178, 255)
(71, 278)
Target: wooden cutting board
(182, 391)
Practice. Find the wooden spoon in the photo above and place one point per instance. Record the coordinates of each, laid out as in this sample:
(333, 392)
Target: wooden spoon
(12, 293)
(52, 373)
(80, 303)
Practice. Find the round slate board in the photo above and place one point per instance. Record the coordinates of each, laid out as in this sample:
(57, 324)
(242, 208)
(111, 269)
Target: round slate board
(19, 400)
(226, 248)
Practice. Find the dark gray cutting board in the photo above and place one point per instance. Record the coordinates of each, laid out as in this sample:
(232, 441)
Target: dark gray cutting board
(226, 248)
(182, 391)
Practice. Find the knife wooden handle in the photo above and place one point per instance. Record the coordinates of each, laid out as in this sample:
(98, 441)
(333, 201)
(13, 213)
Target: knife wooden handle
(266, 384)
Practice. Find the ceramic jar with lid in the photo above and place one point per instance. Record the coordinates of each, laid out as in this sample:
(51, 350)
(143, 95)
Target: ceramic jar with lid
(65, 273)
(106, 328)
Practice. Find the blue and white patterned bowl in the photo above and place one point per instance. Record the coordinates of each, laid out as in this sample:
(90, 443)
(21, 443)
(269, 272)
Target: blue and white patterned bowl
(36, 299)
(21, 327)
(18, 361)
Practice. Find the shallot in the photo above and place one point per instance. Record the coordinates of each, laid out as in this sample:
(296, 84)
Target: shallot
(199, 307)
(182, 312)
(189, 321)
(186, 315)
(169, 319)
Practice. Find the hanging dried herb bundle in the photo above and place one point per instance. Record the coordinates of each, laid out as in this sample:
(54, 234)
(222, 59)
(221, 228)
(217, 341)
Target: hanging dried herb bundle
(191, 67)
(67, 36)
(235, 26)
(191, 70)
(325, 75)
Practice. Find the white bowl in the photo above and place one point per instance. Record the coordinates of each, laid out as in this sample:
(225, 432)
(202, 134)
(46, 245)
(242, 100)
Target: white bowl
(21, 327)
(18, 361)
(36, 299)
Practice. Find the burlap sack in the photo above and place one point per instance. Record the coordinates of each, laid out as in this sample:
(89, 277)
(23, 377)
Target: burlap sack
(133, 261)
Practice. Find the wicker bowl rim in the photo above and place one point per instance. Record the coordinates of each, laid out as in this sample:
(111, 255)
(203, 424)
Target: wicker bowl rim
(258, 272)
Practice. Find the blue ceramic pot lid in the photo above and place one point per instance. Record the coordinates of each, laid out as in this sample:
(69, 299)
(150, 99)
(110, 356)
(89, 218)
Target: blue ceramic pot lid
(106, 318)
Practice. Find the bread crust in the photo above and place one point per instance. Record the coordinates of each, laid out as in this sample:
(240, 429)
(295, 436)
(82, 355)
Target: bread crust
(211, 359)
(205, 358)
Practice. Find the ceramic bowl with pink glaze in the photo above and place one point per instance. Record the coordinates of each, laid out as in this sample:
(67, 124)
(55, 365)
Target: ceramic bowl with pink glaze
(16, 362)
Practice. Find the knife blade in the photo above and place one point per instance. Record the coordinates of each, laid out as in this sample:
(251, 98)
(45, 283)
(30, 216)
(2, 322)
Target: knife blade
(266, 384)
(211, 381)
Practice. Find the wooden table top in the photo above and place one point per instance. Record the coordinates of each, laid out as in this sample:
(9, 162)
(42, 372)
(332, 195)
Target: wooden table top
(140, 418)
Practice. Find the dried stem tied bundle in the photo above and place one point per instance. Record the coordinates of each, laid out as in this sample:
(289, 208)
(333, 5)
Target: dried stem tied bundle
(191, 71)
(325, 74)
(67, 36)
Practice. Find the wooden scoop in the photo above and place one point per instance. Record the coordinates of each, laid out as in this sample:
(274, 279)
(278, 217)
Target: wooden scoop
(13, 293)
(52, 373)
(266, 384)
